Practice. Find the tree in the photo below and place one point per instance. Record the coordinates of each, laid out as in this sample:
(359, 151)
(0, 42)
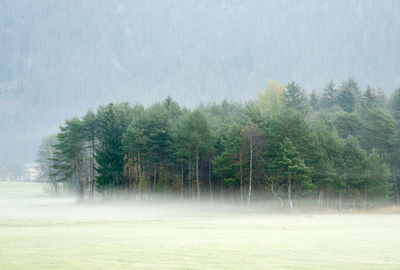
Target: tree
(325, 158)
(194, 136)
(347, 95)
(270, 100)
(353, 166)
(294, 168)
(395, 106)
(377, 174)
(89, 124)
(315, 101)
(135, 143)
(369, 99)
(45, 159)
(295, 98)
(68, 154)
(253, 137)
(329, 94)
(349, 124)
(380, 129)
(112, 123)
(228, 165)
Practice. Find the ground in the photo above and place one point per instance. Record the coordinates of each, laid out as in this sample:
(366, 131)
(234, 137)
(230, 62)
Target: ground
(41, 232)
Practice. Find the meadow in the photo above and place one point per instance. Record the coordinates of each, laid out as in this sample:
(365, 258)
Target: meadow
(38, 231)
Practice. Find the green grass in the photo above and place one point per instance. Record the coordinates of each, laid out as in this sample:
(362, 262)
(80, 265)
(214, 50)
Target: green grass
(50, 233)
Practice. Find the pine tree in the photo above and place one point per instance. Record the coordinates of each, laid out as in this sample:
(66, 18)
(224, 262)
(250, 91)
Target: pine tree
(377, 175)
(369, 99)
(229, 164)
(295, 98)
(348, 95)
(294, 168)
(395, 106)
(194, 135)
(329, 94)
(68, 156)
(89, 124)
(380, 130)
(112, 122)
(315, 102)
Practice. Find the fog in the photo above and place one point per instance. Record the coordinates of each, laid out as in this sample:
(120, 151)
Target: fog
(60, 58)
(41, 231)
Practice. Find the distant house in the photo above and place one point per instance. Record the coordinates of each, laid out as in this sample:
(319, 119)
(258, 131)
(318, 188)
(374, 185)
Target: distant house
(31, 172)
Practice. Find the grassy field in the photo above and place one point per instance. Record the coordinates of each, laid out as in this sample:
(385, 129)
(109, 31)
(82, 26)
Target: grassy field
(39, 232)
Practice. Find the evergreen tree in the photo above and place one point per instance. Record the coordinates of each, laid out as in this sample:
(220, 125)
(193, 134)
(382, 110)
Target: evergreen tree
(377, 175)
(296, 171)
(347, 95)
(315, 102)
(89, 124)
(380, 130)
(395, 106)
(369, 99)
(194, 135)
(112, 122)
(349, 124)
(45, 159)
(229, 164)
(353, 166)
(295, 98)
(329, 94)
(68, 156)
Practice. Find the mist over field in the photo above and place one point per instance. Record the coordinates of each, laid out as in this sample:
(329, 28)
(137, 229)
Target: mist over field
(60, 58)
(38, 231)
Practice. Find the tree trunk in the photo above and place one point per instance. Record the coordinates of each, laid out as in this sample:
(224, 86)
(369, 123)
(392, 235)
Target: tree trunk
(197, 174)
(190, 178)
(251, 170)
(78, 167)
(140, 176)
(241, 178)
(396, 187)
(321, 197)
(340, 201)
(92, 174)
(155, 176)
(182, 179)
(55, 185)
(290, 192)
(209, 180)
(276, 194)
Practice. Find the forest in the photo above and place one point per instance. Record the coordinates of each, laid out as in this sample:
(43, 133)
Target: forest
(337, 148)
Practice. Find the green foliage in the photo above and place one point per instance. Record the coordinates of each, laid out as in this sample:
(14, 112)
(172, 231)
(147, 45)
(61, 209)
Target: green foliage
(227, 164)
(349, 124)
(347, 95)
(395, 105)
(329, 95)
(315, 101)
(69, 148)
(295, 98)
(294, 165)
(377, 175)
(380, 130)
(270, 144)
(112, 122)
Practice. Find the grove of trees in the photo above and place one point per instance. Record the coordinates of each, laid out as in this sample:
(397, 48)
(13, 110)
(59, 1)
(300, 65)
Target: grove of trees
(338, 148)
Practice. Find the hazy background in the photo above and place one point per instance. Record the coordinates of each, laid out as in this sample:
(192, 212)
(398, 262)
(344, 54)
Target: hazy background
(59, 58)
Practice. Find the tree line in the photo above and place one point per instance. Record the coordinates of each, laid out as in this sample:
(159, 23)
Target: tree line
(337, 148)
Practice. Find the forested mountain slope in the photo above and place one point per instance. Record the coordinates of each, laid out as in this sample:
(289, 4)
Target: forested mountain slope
(60, 57)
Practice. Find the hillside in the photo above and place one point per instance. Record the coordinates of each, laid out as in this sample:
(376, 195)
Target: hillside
(60, 57)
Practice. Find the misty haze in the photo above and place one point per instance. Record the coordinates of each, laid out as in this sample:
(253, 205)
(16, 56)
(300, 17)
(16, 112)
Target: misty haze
(199, 134)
